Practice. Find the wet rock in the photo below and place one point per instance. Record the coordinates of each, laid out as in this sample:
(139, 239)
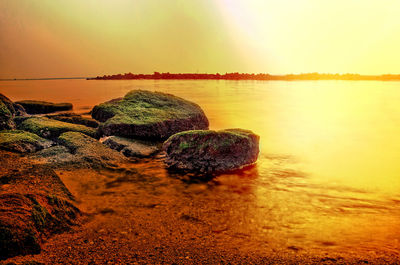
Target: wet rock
(9, 110)
(75, 119)
(49, 128)
(131, 147)
(148, 115)
(211, 151)
(34, 205)
(41, 107)
(22, 141)
(89, 151)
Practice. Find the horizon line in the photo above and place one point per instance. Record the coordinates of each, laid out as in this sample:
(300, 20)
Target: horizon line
(198, 73)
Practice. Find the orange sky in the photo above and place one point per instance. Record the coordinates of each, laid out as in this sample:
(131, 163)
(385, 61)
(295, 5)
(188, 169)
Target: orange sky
(66, 38)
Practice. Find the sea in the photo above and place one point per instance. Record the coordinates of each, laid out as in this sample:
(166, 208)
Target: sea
(328, 172)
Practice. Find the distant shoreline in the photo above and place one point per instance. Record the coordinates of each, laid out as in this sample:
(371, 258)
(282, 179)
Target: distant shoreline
(227, 76)
(246, 76)
(49, 78)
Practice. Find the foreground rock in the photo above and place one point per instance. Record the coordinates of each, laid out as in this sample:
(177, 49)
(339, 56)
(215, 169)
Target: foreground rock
(42, 107)
(34, 205)
(131, 147)
(22, 141)
(49, 128)
(87, 152)
(148, 115)
(211, 151)
(8, 110)
(75, 119)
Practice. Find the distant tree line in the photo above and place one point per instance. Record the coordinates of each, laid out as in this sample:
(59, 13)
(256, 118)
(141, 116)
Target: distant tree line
(245, 76)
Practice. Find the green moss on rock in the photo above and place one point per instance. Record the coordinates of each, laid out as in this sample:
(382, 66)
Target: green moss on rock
(22, 141)
(89, 151)
(49, 128)
(150, 115)
(7, 113)
(208, 151)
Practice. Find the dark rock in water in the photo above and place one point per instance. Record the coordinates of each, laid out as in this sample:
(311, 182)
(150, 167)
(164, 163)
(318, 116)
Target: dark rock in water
(49, 128)
(131, 147)
(88, 152)
(41, 107)
(75, 119)
(34, 205)
(8, 110)
(211, 151)
(22, 141)
(148, 115)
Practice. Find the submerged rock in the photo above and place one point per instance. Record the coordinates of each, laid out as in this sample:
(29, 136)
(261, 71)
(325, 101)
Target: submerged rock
(89, 152)
(209, 151)
(41, 107)
(22, 141)
(131, 147)
(75, 119)
(49, 128)
(8, 110)
(148, 115)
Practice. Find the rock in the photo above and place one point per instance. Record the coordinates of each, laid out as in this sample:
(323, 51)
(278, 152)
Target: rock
(40, 107)
(49, 128)
(34, 205)
(211, 151)
(22, 141)
(131, 147)
(90, 152)
(148, 115)
(75, 119)
(8, 110)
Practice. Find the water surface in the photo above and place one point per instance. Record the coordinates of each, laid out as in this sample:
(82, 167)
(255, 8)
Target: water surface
(328, 176)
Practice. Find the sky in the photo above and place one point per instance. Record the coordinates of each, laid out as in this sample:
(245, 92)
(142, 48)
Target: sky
(75, 38)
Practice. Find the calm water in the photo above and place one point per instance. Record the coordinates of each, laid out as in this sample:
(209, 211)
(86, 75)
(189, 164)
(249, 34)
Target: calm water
(329, 170)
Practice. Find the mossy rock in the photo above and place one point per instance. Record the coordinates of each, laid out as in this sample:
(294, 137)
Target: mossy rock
(49, 128)
(41, 107)
(132, 147)
(34, 205)
(211, 151)
(90, 152)
(22, 141)
(75, 119)
(8, 111)
(6, 117)
(148, 115)
(28, 219)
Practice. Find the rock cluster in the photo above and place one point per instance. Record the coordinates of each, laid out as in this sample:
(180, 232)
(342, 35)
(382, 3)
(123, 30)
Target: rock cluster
(33, 200)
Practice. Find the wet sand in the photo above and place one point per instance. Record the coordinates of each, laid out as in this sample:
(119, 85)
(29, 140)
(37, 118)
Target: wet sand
(141, 214)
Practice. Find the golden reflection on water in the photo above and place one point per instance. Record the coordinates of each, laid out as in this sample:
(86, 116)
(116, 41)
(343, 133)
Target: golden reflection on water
(328, 174)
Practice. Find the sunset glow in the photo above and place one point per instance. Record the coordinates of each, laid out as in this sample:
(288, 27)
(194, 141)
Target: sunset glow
(87, 38)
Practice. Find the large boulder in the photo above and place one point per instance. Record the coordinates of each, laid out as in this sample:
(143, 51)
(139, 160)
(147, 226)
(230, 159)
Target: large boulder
(131, 147)
(41, 107)
(148, 115)
(211, 151)
(8, 110)
(49, 128)
(22, 141)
